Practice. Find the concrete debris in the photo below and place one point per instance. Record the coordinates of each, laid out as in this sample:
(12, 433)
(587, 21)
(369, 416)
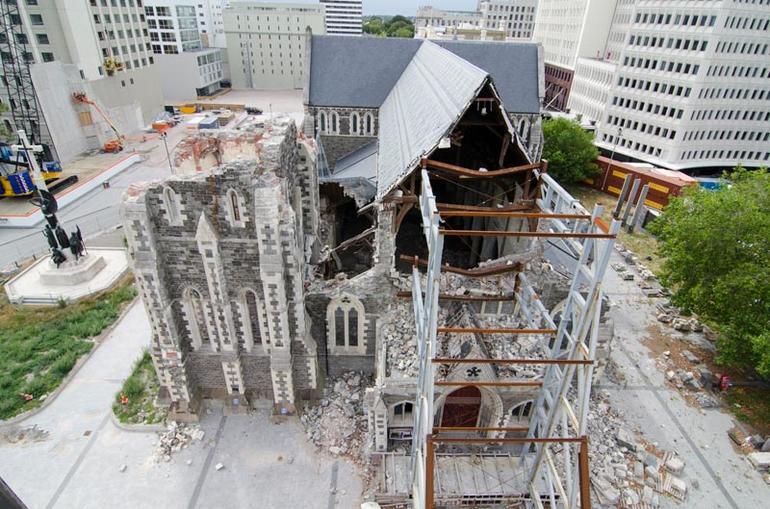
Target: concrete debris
(399, 335)
(123, 468)
(176, 437)
(706, 401)
(625, 470)
(760, 460)
(19, 435)
(337, 424)
(218, 467)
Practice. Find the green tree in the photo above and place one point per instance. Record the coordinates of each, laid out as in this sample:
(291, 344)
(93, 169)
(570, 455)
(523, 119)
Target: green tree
(717, 249)
(373, 26)
(569, 149)
(397, 26)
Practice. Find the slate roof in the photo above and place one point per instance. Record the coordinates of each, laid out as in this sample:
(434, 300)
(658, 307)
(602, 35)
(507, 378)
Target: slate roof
(513, 67)
(361, 71)
(429, 98)
(356, 71)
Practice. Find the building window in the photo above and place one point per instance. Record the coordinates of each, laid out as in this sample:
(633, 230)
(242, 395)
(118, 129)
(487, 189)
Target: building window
(354, 123)
(521, 411)
(194, 312)
(36, 19)
(235, 207)
(345, 322)
(369, 124)
(251, 318)
(47, 57)
(402, 415)
(334, 123)
(171, 205)
(322, 122)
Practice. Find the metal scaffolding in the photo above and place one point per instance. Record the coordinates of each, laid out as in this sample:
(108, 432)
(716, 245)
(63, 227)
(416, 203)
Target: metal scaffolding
(16, 59)
(553, 455)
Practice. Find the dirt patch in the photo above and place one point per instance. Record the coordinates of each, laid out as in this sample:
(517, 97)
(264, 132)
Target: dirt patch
(22, 435)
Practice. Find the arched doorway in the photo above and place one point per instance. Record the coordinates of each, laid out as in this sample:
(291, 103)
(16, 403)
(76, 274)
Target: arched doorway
(461, 408)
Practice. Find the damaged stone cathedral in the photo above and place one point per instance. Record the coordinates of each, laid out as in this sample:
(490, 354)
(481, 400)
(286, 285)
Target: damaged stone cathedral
(277, 257)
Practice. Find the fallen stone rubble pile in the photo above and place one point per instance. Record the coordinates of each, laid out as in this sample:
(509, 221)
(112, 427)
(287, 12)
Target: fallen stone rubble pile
(337, 424)
(625, 471)
(176, 437)
(398, 332)
(671, 315)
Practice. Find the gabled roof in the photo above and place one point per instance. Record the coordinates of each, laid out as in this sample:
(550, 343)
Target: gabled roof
(429, 98)
(361, 71)
(513, 67)
(356, 71)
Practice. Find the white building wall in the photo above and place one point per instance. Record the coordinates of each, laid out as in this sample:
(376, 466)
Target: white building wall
(569, 29)
(343, 17)
(185, 75)
(514, 17)
(210, 22)
(173, 26)
(691, 85)
(266, 43)
(591, 87)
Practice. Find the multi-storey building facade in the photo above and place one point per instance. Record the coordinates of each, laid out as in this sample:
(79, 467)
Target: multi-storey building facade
(266, 42)
(101, 46)
(210, 22)
(343, 17)
(515, 18)
(568, 30)
(187, 69)
(682, 86)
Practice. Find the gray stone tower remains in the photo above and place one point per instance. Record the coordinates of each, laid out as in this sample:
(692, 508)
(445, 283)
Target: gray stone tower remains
(220, 259)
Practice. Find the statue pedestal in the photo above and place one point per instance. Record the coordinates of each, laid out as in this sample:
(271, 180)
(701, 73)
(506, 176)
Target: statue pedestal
(43, 284)
(72, 272)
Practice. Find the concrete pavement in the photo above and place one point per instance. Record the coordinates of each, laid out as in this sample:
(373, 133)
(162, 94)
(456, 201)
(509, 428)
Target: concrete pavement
(723, 477)
(77, 465)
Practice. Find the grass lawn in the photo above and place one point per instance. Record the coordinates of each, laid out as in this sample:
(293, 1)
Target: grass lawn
(134, 403)
(753, 407)
(40, 345)
(644, 245)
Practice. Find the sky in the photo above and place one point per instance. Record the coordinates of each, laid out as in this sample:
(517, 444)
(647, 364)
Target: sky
(408, 7)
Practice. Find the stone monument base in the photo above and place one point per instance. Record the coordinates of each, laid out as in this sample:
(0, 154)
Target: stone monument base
(72, 272)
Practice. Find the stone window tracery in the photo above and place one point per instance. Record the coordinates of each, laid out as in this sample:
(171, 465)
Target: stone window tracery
(345, 321)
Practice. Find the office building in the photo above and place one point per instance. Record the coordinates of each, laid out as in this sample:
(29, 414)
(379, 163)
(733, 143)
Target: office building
(515, 18)
(343, 17)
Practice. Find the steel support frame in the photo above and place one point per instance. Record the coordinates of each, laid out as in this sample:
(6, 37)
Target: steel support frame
(569, 358)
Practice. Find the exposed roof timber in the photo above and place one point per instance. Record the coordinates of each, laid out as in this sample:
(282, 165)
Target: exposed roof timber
(467, 172)
(478, 272)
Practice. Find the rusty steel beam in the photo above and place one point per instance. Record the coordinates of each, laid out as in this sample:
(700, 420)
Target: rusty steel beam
(469, 298)
(515, 429)
(509, 214)
(523, 205)
(449, 360)
(585, 476)
(481, 330)
(430, 460)
(466, 383)
(515, 440)
(505, 233)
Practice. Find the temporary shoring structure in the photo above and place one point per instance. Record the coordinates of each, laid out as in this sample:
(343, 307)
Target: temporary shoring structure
(554, 455)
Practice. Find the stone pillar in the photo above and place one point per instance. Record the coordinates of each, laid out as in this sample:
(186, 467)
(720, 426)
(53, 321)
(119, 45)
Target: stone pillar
(385, 240)
(267, 216)
(166, 349)
(219, 299)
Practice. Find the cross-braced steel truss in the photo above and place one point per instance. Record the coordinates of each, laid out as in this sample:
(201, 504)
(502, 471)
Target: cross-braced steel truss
(553, 458)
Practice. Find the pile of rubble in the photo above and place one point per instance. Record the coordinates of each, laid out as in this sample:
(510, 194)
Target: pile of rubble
(398, 333)
(337, 424)
(671, 315)
(19, 435)
(626, 471)
(176, 437)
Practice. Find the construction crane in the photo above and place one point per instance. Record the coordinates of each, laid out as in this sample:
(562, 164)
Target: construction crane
(114, 145)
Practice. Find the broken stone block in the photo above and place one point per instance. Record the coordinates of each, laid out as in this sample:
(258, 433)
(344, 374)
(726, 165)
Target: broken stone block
(664, 318)
(627, 276)
(766, 446)
(650, 460)
(681, 324)
(670, 375)
(675, 465)
(123, 468)
(651, 473)
(760, 460)
(678, 486)
(706, 376)
(639, 470)
(705, 401)
(218, 467)
(647, 495)
(690, 357)
(626, 439)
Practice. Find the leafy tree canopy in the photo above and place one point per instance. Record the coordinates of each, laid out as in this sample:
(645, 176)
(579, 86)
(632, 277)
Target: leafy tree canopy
(396, 26)
(717, 249)
(569, 150)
